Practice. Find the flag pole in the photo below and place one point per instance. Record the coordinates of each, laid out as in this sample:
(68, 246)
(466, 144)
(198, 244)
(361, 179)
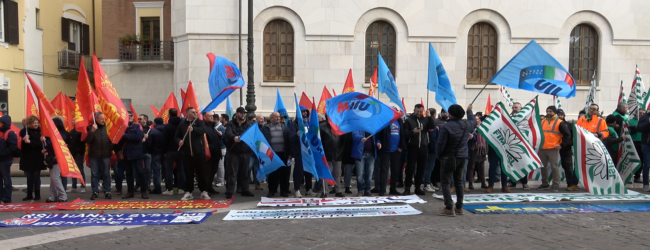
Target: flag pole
(479, 93)
(427, 107)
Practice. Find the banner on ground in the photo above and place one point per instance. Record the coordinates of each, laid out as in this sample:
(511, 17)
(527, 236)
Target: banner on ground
(558, 208)
(356, 111)
(80, 204)
(321, 212)
(518, 157)
(547, 197)
(530, 124)
(308, 202)
(594, 167)
(628, 159)
(69, 220)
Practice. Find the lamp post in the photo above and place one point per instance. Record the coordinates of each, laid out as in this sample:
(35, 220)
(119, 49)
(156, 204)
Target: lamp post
(250, 94)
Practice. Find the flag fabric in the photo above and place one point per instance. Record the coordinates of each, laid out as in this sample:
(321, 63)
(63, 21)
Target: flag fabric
(230, 111)
(424, 110)
(624, 98)
(71, 107)
(534, 69)
(637, 95)
(60, 105)
(323, 97)
(403, 112)
(224, 79)
(356, 111)
(135, 114)
(64, 159)
(268, 160)
(183, 94)
(591, 96)
(518, 157)
(629, 160)
(279, 107)
(117, 119)
(308, 163)
(386, 83)
(30, 104)
(438, 81)
(373, 84)
(620, 93)
(333, 92)
(530, 124)
(305, 102)
(557, 103)
(349, 84)
(87, 103)
(506, 96)
(208, 155)
(191, 101)
(594, 167)
(171, 103)
(488, 106)
(316, 146)
(40, 96)
(156, 113)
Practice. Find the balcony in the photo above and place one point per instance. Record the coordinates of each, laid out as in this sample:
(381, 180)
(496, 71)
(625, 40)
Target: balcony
(70, 61)
(147, 53)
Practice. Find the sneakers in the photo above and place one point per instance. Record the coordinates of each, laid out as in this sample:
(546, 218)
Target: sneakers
(69, 190)
(298, 195)
(94, 196)
(543, 187)
(572, 188)
(187, 196)
(82, 190)
(489, 190)
(555, 188)
(347, 190)
(204, 195)
(218, 184)
(526, 187)
(168, 192)
(459, 211)
(107, 195)
(429, 188)
(446, 212)
(419, 191)
(180, 191)
(307, 192)
(646, 188)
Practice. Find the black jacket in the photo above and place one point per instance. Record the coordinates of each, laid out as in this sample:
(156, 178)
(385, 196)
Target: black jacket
(99, 144)
(384, 137)
(328, 140)
(169, 134)
(156, 140)
(567, 145)
(146, 146)
(644, 128)
(10, 145)
(233, 129)
(31, 157)
(131, 143)
(451, 139)
(214, 140)
(266, 131)
(76, 146)
(421, 139)
(193, 139)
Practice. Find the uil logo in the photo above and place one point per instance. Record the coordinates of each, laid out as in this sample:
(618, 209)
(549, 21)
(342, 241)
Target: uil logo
(231, 74)
(364, 107)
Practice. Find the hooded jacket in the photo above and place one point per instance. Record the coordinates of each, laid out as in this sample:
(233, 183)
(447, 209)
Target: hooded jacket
(169, 134)
(10, 145)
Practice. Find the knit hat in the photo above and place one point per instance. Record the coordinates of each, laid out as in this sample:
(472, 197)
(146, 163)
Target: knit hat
(456, 111)
(610, 119)
(552, 108)
(560, 112)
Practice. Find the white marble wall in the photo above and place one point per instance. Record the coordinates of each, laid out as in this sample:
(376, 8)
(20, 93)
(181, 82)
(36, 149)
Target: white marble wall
(329, 41)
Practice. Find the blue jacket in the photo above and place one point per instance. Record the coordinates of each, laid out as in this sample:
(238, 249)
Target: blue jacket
(222, 128)
(383, 137)
(357, 145)
(433, 139)
(132, 143)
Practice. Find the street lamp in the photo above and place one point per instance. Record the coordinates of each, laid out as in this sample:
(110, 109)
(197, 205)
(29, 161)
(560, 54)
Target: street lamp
(250, 94)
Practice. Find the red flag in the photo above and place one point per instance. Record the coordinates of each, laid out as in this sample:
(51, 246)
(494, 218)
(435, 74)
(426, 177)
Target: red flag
(64, 158)
(156, 113)
(424, 111)
(171, 103)
(323, 97)
(183, 94)
(373, 84)
(69, 103)
(403, 111)
(304, 101)
(349, 84)
(117, 119)
(135, 115)
(87, 103)
(31, 105)
(191, 101)
(61, 109)
(40, 95)
(208, 155)
(488, 106)
(334, 92)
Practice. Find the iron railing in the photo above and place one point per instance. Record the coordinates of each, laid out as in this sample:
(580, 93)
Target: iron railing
(71, 60)
(147, 51)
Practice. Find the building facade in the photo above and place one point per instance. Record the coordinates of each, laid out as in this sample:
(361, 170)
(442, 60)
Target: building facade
(303, 45)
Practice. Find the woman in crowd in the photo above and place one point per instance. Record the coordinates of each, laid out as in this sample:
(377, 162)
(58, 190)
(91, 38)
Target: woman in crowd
(32, 160)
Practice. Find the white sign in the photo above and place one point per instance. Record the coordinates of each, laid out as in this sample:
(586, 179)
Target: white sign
(306, 202)
(530, 197)
(321, 212)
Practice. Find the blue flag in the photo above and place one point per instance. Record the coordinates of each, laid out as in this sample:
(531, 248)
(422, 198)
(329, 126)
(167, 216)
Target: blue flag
(386, 84)
(439, 81)
(229, 110)
(534, 69)
(308, 163)
(356, 111)
(279, 107)
(268, 160)
(316, 146)
(224, 78)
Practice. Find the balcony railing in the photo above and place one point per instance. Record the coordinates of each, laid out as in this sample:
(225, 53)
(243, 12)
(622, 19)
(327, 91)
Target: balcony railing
(147, 51)
(71, 60)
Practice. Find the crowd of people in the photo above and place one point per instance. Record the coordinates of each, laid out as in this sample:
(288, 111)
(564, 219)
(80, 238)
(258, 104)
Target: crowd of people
(425, 151)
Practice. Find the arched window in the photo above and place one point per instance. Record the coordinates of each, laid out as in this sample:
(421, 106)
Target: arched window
(481, 53)
(278, 51)
(380, 37)
(583, 53)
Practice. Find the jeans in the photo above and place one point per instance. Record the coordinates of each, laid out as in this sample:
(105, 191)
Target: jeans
(147, 176)
(495, 164)
(348, 174)
(253, 166)
(431, 163)
(100, 167)
(5, 178)
(57, 191)
(222, 163)
(33, 182)
(448, 171)
(156, 166)
(171, 158)
(79, 159)
(364, 171)
(646, 164)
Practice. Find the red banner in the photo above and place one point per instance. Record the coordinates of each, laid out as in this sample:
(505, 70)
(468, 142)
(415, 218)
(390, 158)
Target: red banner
(323, 97)
(171, 103)
(117, 119)
(349, 84)
(80, 204)
(40, 95)
(61, 109)
(64, 158)
(190, 101)
(135, 115)
(156, 113)
(87, 104)
(31, 104)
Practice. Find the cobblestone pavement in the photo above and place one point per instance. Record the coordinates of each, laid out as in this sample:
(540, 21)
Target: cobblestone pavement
(550, 231)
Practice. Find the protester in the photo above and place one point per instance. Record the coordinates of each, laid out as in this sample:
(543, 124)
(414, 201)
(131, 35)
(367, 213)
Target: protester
(593, 123)
(347, 161)
(614, 139)
(77, 148)
(364, 151)
(174, 157)
(478, 152)
(190, 139)
(156, 144)
(221, 131)
(392, 140)
(299, 174)
(442, 118)
(100, 149)
(57, 190)
(452, 150)
(556, 137)
(32, 158)
(238, 155)
(143, 120)
(644, 128)
(621, 117)
(333, 149)
(254, 164)
(277, 134)
(431, 157)
(566, 154)
(417, 139)
(8, 148)
(516, 107)
(214, 145)
(636, 137)
(131, 146)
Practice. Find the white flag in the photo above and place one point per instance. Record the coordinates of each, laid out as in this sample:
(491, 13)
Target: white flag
(592, 93)
(628, 159)
(529, 123)
(557, 103)
(506, 96)
(594, 167)
(637, 96)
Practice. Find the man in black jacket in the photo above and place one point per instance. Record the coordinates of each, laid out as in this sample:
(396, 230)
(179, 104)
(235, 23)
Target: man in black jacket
(644, 128)
(214, 144)
(332, 148)
(156, 144)
(416, 134)
(566, 152)
(392, 140)
(238, 154)
(77, 149)
(133, 163)
(143, 120)
(99, 156)
(173, 156)
(189, 137)
(277, 134)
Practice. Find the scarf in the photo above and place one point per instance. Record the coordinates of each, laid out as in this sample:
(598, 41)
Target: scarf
(480, 146)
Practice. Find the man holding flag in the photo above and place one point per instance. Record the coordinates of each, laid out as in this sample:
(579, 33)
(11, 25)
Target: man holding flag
(8, 147)
(277, 134)
(190, 137)
(99, 154)
(238, 154)
(299, 174)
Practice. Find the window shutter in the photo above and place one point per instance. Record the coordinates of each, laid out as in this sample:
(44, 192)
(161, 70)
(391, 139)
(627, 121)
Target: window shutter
(85, 39)
(65, 29)
(11, 22)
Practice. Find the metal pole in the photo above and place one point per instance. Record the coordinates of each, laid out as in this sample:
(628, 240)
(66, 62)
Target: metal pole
(241, 92)
(250, 94)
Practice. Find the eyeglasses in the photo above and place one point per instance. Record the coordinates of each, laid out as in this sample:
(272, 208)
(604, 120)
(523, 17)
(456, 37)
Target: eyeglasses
(593, 109)
(139, 119)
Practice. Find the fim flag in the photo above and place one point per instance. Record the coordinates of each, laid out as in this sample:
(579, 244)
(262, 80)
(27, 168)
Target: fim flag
(528, 121)
(556, 102)
(594, 167)
(518, 157)
(637, 97)
(506, 96)
(628, 159)
(269, 161)
(592, 94)
(355, 111)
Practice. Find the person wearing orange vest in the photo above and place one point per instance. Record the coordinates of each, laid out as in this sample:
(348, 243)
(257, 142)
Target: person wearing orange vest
(556, 137)
(593, 123)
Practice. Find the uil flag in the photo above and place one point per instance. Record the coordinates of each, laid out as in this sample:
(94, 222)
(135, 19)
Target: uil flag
(30, 105)
(620, 93)
(87, 103)
(64, 158)
(349, 84)
(40, 95)
(323, 97)
(316, 146)
(156, 113)
(117, 119)
(268, 160)
(529, 123)
(356, 111)
(556, 102)
(60, 105)
(229, 110)
(518, 157)
(488, 106)
(506, 96)
(386, 83)
(637, 96)
(438, 81)
(191, 101)
(224, 79)
(308, 163)
(534, 69)
(280, 108)
(171, 103)
(591, 96)
(628, 159)
(594, 167)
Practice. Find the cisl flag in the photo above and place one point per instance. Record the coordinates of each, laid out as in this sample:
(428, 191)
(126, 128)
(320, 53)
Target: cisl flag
(518, 157)
(594, 167)
(528, 121)
(628, 159)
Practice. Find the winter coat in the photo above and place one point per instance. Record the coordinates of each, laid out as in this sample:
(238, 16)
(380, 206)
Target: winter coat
(233, 129)
(433, 139)
(169, 134)
(9, 146)
(146, 146)
(358, 146)
(383, 137)
(421, 139)
(99, 144)
(644, 128)
(451, 139)
(156, 140)
(131, 143)
(75, 144)
(31, 157)
(214, 140)
(327, 139)
(194, 142)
